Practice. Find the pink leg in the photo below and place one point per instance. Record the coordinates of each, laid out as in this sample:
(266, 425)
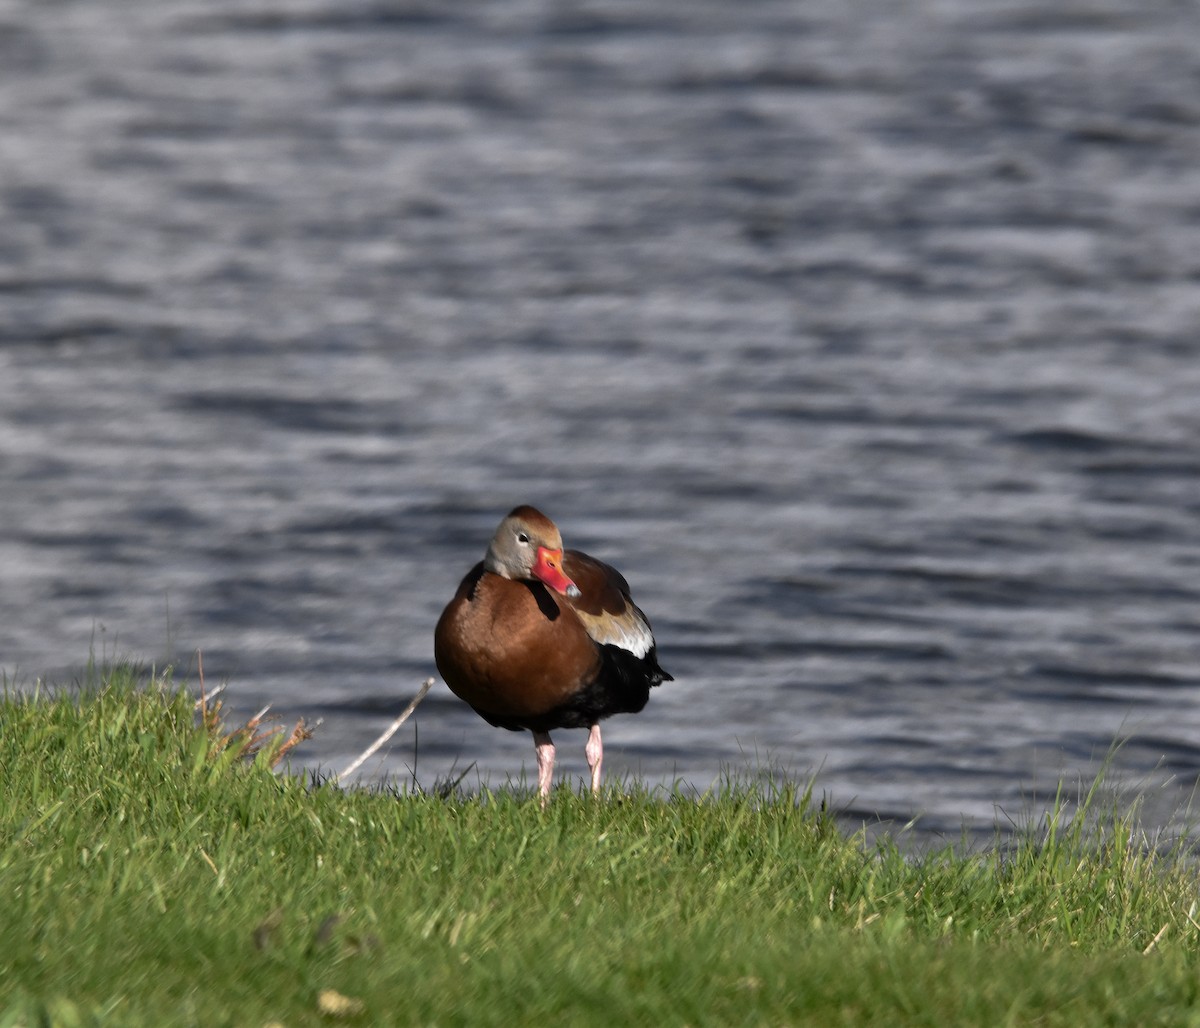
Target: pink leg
(595, 756)
(545, 761)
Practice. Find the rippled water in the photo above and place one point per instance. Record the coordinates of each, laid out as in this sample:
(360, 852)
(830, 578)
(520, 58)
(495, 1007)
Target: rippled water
(863, 338)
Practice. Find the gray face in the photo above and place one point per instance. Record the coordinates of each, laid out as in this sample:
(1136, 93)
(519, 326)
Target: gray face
(513, 551)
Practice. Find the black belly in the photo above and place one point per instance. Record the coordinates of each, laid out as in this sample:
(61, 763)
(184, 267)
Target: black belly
(621, 686)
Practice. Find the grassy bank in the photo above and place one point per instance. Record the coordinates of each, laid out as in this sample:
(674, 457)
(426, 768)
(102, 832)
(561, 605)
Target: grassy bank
(148, 876)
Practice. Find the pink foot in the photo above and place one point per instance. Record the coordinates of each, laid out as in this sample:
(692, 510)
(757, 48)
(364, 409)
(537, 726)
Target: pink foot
(595, 756)
(545, 762)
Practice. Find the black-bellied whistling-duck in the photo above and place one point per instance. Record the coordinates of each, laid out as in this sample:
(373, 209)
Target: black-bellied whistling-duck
(539, 638)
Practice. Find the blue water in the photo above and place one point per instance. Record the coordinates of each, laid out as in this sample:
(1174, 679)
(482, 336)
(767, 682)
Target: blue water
(863, 339)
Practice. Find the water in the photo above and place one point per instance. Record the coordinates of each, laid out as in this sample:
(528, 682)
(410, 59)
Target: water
(862, 339)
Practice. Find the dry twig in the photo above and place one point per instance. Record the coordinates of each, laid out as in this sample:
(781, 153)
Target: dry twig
(391, 730)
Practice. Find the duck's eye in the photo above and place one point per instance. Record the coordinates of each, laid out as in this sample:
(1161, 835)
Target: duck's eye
(522, 538)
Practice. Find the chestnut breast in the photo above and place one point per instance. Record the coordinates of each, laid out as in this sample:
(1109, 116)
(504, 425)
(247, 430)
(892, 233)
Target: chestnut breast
(512, 648)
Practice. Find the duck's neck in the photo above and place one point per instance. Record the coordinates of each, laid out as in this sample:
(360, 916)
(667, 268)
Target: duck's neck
(493, 563)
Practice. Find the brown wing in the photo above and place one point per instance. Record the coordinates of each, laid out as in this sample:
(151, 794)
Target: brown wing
(604, 605)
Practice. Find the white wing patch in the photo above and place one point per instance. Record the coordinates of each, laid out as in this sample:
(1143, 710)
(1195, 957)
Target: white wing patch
(628, 630)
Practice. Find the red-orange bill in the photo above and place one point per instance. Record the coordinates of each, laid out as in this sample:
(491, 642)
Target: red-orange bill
(549, 570)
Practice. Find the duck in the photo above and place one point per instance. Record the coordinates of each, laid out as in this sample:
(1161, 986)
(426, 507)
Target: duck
(539, 638)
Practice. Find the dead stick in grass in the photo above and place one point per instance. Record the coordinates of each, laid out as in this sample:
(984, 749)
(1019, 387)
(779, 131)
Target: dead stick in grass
(391, 730)
(202, 703)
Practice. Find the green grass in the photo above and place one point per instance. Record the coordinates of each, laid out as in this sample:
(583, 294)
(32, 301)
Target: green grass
(149, 877)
